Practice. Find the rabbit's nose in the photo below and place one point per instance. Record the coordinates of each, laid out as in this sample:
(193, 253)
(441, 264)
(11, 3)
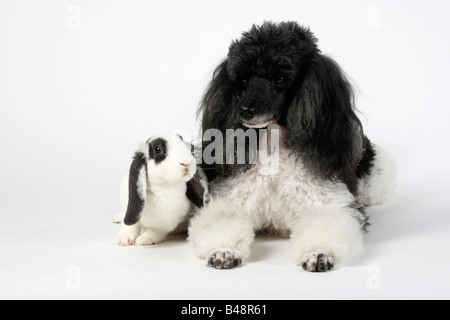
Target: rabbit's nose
(184, 164)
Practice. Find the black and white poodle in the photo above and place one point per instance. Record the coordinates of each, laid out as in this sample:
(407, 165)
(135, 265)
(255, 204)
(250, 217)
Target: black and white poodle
(276, 78)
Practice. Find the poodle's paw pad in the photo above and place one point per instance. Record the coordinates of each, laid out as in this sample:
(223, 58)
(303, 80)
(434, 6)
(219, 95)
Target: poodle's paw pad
(224, 259)
(317, 262)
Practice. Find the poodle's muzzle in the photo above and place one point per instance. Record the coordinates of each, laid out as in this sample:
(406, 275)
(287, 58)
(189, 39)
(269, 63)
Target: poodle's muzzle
(260, 103)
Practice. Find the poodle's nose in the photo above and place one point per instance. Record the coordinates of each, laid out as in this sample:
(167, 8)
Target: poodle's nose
(247, 113)
(184, 164)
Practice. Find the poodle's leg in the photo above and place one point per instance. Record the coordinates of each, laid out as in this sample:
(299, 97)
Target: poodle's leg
(221, 235)
(326, 234)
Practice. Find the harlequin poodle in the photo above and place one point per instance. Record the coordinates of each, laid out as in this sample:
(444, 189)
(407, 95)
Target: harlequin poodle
(276, 79)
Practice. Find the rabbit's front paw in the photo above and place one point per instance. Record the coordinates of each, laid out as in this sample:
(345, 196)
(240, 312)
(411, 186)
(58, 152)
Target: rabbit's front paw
(127, 237)
(150, 237)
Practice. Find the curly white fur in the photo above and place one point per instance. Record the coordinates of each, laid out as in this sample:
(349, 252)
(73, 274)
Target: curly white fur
(378, 187)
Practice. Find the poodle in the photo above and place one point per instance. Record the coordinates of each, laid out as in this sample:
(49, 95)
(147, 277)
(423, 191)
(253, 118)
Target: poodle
(275, 82)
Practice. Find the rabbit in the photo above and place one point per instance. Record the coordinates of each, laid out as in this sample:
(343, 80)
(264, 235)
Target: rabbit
(164, 187)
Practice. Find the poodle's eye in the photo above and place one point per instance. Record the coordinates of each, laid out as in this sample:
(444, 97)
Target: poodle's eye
(243, 81)
(279, 81)
(158, 150)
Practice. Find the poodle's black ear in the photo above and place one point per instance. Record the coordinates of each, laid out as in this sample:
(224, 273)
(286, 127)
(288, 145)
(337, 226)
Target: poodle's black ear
(137, 189)
(321, 122)
(214, 107)
(215, 111)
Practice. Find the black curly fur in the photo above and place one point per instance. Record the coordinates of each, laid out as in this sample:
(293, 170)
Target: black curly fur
(313, 101)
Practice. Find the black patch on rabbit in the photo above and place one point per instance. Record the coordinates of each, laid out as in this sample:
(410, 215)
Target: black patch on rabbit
(158, 150)
(136, 197)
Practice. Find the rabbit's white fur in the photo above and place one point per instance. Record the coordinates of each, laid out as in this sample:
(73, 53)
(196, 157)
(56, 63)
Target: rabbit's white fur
(166, 204)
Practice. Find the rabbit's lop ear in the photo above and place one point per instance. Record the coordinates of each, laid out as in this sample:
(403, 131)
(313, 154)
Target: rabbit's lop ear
(137, 189)
(197, 190)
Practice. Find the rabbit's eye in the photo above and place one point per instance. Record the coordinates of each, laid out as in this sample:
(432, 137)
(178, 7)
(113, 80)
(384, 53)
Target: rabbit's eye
(157, 150)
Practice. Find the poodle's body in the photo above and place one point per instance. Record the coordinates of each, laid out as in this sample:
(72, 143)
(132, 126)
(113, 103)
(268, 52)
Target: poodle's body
(323, 218)
(328, 171)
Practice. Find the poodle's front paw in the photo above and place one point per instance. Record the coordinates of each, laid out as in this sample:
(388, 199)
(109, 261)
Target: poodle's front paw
(224, 259)
(317, 262)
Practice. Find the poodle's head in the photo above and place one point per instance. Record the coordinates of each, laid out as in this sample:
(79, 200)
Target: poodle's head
(276, 73)
(263, 66)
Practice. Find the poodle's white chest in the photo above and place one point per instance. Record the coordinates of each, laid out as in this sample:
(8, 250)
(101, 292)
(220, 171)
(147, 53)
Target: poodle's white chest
(276, 195)
(267, 184)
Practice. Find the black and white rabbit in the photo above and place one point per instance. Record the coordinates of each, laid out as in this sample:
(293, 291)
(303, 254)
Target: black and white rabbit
(164, 184)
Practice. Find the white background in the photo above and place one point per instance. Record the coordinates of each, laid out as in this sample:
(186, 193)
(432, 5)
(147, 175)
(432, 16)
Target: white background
(83, 82)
